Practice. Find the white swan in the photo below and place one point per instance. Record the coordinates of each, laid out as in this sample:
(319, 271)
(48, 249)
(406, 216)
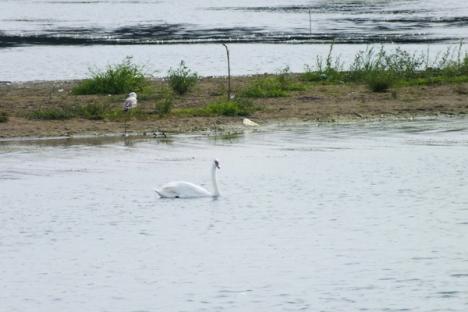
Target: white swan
(182, 189)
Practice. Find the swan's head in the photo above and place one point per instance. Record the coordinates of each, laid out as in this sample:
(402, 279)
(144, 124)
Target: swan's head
(132, 94)
(216, 164)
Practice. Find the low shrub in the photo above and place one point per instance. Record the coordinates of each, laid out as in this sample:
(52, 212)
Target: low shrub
(379, 81)
(117, 79)
(182, 79)
(3, 117)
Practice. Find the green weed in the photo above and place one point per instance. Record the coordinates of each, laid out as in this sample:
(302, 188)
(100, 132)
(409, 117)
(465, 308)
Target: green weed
(3, 117)
(117, 79)
(239, 107)
(52, 113)
(182, 79)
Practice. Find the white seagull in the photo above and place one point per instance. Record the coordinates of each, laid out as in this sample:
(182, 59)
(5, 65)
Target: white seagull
(182, 189)
(130, 102)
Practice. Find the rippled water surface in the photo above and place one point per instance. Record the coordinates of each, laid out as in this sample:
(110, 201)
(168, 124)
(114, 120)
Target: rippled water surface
(349, 217)
(60, 39)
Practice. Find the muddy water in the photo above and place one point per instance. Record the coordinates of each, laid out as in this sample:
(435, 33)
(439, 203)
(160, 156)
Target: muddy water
(343, 217)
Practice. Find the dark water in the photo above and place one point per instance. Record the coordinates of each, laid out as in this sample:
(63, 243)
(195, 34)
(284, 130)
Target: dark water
(347, 217)
(53, 40)
(141, 22)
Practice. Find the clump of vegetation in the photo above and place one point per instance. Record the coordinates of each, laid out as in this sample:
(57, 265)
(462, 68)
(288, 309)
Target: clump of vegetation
(164, 102)
(381, 70)
(3, 117)
(239, 107)
(273, 86)
(287, 82)
(265, 87)
(182, 79)
(92, 111)
(379, 81)
(52, 113)
(327, 70)
(117, 79)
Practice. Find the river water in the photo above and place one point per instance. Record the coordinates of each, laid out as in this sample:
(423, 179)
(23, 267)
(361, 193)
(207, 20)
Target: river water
(62, 39)
(313, 217)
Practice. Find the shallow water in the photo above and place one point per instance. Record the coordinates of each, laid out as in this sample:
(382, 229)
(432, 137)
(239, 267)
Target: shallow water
(205, 59)
(61, 39)
(329, 217)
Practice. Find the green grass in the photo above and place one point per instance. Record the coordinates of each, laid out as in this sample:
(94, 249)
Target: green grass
(264, 87)
(122, 78)
(3, 117)
(53, 113)
(277, 85)
(381, 70)
(240, 107)
(92, 111)
(164, 102)
(181, 79)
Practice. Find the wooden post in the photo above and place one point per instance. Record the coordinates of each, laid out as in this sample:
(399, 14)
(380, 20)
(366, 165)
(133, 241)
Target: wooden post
(229, 73)
(310, 23)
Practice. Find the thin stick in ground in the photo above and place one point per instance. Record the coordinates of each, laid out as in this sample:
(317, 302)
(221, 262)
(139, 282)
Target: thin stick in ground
(229, 72)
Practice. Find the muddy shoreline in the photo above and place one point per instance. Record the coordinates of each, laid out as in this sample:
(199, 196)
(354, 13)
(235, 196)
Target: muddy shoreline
(317, 103)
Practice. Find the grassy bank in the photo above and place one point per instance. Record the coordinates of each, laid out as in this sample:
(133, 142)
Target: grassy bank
(378, 83)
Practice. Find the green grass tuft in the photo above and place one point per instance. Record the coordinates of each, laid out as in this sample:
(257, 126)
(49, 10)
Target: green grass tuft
(239, 107)
(3, 117)
(380, 81)
(182, 79)
(117, 79)
(381, 69)
(53, 113)
(164, 102)
(264, 88)
(273, 86)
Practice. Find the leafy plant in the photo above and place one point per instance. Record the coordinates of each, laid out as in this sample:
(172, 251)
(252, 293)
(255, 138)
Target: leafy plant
(117, 79)
(182, 79)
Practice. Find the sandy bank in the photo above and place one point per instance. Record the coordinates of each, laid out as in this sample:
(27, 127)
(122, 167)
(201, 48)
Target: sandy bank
(315, 103)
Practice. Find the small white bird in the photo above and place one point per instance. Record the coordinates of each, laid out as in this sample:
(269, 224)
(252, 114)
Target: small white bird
(130, 102)
(250, 123)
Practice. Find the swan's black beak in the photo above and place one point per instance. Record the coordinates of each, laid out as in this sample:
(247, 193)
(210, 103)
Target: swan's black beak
(217, 164)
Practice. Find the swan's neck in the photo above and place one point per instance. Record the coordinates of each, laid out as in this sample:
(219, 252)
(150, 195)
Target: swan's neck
(213, 179)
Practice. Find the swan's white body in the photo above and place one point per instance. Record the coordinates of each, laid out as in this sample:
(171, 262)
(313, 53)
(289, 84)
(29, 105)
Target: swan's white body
(249, 123)
(182, 189)
(130, 102)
